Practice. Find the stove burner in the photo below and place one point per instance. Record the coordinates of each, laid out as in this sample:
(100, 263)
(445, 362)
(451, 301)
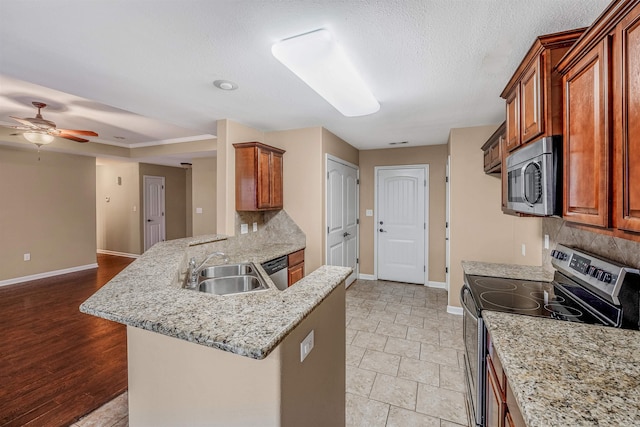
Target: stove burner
(496, 284)
(509, 300)
(551, 298)
(563, 310)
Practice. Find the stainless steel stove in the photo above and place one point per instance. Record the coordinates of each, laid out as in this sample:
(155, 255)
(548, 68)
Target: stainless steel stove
(586, 288)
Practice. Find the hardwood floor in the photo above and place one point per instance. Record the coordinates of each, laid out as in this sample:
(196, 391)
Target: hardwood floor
(57, 364)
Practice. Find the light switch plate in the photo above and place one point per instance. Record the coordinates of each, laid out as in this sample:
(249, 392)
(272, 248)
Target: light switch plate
(255, 226)
(244, 228)
(198, 210)
(546, 241)
(27, 257)
(368, 212)
(306, 346)
(524, 250)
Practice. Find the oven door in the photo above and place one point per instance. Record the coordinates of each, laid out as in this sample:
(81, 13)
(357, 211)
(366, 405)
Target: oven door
(474, 357)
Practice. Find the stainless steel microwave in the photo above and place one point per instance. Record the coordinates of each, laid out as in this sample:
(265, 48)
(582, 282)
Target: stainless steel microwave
(534, 178)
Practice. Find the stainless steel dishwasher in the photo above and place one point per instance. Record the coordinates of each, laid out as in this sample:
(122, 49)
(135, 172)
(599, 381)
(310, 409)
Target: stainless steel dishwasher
(277, 271)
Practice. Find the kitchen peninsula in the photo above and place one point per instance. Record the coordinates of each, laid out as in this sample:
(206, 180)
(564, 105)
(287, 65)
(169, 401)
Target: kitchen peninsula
(201, 359)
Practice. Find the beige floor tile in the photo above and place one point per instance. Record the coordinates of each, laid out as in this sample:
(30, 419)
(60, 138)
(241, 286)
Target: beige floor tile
(403, 347)
(108, 414)
(445, 423)
(374, 305)
(409, 320)
(392, 330)
(451, 378)
(427, 313)
(428, 336)
(350, 334)
(370, 340)
(124, 422)
(357, 312)
(367, 325)
(413, 302)
(354, 355)
(398, 308)
(352, 301)
(396, 391)
(399, 417)
(372, 296)
(442, 355)
(451, 339)
(389, 297)
(359, 381)
(363, 412)
(442, 403)
(383, 363)
(419, 370)
(382, 316)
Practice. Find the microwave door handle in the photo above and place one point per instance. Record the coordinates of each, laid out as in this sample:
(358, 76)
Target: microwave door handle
(523, 186)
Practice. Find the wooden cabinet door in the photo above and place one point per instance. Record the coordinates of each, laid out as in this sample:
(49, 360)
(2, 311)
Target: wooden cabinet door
(495, 406)
(513, 120)
(531, 100)
(587, 143)
(264, 179)
(276, 181)
(627, 153)
(296, 273)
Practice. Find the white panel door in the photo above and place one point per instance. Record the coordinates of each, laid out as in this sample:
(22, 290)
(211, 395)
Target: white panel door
(154, 222)
(342, 216)
(401, 224)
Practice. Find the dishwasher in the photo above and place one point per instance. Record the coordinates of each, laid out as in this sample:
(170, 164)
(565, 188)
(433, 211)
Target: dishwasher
(278, 272)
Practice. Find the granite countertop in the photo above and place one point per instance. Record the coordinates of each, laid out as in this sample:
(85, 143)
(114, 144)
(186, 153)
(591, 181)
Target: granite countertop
(569, 374)
(148, 295)
(510, 271)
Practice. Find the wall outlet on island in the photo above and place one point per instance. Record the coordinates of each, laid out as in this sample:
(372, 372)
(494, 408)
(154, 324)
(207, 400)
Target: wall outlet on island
(524, 250)
(27, 256)
(306, 346)
(244, 228)
(255, 226)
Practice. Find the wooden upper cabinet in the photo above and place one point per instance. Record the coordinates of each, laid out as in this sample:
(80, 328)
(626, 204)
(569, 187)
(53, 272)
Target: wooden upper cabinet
(493, 151)
(258, 177)
(586, 141)
(627, 129)
(534, 95)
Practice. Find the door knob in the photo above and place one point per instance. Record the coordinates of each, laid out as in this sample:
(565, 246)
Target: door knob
(380, 222)
(382, 231)
(346, 234)
(148, 220)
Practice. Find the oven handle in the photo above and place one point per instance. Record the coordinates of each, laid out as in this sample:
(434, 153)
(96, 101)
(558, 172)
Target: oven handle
(462, 292)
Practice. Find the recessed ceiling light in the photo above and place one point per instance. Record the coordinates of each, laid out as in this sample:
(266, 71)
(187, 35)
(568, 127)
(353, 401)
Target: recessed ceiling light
(225, 85)
(398, 143)
(321, 63)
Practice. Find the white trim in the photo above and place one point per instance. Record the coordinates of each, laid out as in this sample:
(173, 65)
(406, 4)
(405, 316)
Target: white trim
(448, 228)
(202, 137)
(439, 285)
(47, 274)
(362, 276)
(454, 310)
(376, 169)
(124, 254)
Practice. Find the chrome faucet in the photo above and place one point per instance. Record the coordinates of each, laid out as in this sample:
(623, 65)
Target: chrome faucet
(193, 271)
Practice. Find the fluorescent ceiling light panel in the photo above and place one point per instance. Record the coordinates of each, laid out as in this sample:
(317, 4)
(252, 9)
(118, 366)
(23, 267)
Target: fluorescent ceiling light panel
(321, 63)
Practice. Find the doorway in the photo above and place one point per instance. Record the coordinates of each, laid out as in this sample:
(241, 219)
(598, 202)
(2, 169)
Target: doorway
(154, 220)
(342, 215)
(401, 223)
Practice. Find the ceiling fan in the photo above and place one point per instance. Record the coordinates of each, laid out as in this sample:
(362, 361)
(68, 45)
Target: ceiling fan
(41, 131)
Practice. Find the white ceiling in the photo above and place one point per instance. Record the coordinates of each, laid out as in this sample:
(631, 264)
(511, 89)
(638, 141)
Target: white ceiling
(433, 65)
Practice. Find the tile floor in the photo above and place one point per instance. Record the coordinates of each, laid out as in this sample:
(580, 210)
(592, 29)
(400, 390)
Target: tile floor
(404, 360)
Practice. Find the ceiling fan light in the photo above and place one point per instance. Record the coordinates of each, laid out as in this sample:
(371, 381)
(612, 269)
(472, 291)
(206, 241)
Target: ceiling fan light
(321, 63)
(38, 138)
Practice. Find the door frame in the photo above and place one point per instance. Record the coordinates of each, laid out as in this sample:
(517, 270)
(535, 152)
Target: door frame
(447, 241)
(425, 167)
(144, 210)
(326, 206)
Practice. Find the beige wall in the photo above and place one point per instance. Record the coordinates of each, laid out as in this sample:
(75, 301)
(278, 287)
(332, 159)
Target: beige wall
(48, 209)
(174, 382)
(175, 204)
(189, 205)
(436, 157)
(118, 226)
(204, 185)
(479, 230)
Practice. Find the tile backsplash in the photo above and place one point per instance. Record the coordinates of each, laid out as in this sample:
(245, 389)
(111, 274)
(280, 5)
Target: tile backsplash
(559, 231)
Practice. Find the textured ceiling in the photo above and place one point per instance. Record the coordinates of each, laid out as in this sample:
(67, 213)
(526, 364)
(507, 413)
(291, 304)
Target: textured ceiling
(433, 65)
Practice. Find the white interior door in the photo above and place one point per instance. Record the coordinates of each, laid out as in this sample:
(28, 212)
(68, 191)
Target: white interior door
(154, 222)
(401, 224)
(342, 216)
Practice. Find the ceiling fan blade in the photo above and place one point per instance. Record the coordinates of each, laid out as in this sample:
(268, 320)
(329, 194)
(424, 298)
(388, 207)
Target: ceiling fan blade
(72, 137)
(24, 122)
(79, 132)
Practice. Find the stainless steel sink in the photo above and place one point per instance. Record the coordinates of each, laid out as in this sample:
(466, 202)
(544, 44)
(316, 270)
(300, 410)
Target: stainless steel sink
(232, 285)
(228, 270)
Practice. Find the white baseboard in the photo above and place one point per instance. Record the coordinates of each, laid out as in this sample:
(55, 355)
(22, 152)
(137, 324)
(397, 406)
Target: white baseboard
(106, 252)
(439, 285)
(367, 277)
(454, 310)
(47, 274)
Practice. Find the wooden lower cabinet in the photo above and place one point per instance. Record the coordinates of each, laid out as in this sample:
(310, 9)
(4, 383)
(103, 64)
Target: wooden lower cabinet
(501, 406)
(495, 410)
(296, 266)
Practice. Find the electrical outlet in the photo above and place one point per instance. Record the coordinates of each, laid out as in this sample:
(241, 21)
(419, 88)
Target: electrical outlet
(244, 228)
(255, 226)
(198, 210)
(368, 212)
(524, 250)
(306, 346)
(27, 257)
(135, 208)
(546, 241)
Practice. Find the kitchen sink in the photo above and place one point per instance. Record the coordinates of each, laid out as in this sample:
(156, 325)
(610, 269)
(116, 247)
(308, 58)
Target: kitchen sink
(228, 270)
(232, 285)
